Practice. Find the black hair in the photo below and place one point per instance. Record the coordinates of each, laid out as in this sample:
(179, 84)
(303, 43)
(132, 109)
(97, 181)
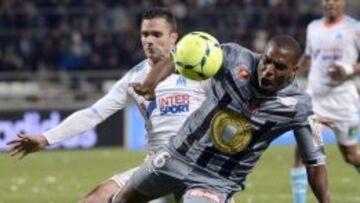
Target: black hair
(287, 42)
(161, 12)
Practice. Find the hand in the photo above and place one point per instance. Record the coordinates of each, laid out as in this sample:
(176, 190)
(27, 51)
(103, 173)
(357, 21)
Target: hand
(145, 91)
(337, 72)
(25, 145)
(326, 121)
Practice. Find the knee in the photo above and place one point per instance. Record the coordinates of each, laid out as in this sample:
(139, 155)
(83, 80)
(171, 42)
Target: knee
(350, 158)
(82, 200)
(88, 199)
(95, 198)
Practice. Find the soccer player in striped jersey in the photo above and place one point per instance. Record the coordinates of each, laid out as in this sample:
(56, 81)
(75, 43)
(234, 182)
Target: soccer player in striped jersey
(332, 52)
(252, 100)
(176, 98)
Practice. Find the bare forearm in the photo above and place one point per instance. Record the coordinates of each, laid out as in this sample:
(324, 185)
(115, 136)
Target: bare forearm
(158, 73)
(317, 177)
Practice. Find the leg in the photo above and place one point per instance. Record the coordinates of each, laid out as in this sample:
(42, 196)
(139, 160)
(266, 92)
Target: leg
(346, 135)
(351, 155)
(148, 183)
(298, 179)
(129, 195)
(104, 191)
(101, 193)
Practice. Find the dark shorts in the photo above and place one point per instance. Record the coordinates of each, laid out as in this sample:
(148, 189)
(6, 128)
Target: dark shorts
(163, 174)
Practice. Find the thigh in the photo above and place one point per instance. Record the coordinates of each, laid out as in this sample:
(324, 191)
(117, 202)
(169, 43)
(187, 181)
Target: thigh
(153, 182)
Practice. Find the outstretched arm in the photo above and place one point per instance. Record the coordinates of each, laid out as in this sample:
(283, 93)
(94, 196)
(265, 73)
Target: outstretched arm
(77, 123)
(24, 144)
(312, 150)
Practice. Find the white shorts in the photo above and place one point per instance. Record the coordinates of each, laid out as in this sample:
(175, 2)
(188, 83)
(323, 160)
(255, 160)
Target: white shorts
(339, 106)
(346, 132)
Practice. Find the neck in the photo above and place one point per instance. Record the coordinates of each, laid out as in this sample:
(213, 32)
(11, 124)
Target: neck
(334, 20)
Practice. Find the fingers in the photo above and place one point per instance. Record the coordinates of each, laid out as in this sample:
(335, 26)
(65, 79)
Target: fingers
(138, 88)
(21, 145)
(15, 151)
(21, 138)
(337, 72)
(326, 121)
(13, 142)
(143, 91)
(23, 155)
(149, 96)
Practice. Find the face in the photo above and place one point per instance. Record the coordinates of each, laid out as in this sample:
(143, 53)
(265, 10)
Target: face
(276, 67)
(157, 38)
(333, 9)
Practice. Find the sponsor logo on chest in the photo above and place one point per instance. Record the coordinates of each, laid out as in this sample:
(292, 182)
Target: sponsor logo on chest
(174, 104)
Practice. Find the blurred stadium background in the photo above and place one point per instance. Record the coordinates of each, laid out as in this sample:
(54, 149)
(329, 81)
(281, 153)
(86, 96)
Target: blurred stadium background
(57, 56)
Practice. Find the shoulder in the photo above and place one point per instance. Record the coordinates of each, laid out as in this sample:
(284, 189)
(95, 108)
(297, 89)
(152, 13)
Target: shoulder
(299, 100)
(303, 107)
(235, 49)
(136, 74)
(139, 70)
(236, 55)
(315, 23)
(140, 67)
(352, 23)
(351, 20)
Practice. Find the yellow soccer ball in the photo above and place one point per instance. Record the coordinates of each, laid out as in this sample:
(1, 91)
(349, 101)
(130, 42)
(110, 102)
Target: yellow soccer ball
(198, 56)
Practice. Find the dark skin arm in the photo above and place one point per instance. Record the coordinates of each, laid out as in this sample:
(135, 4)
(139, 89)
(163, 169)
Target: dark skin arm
(311, 148)
(158, 73)
(317, 177)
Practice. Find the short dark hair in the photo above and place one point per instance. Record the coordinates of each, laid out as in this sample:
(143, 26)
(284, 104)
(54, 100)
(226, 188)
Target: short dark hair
(287, 42)
(161, 12)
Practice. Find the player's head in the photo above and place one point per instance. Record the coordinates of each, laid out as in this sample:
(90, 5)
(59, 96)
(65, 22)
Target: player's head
(158, 33)
(278, 63)
(333, 9)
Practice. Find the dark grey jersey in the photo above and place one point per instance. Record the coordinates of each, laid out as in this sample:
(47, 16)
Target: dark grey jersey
(237, 122)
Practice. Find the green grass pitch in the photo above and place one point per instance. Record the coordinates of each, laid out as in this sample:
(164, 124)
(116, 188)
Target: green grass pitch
(63, 176)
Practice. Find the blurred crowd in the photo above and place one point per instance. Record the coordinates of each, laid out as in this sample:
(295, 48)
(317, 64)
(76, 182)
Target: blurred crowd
(104, 35)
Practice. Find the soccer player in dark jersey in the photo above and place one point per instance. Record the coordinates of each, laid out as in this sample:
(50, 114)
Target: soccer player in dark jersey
(253, 99)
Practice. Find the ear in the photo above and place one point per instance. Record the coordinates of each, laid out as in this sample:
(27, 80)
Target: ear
(173, 37)
(295, 70)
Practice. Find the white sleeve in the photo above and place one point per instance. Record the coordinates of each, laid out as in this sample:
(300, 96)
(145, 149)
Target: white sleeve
(77, 123)
(357, 36)
(83, 120)
(308, 49)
